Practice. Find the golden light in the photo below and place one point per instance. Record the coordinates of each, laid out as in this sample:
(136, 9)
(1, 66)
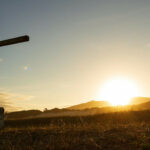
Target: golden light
(119, 91)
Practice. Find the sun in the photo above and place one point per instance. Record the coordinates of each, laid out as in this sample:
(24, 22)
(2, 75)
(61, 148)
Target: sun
(119, 91)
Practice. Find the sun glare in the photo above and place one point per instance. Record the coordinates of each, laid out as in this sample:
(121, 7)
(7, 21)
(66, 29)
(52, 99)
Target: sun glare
(119, 91)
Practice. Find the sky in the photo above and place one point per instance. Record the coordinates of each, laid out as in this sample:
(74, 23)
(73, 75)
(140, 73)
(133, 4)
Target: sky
(75, 47)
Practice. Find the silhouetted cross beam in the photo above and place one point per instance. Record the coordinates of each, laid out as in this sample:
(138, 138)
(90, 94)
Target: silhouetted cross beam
(16, 40)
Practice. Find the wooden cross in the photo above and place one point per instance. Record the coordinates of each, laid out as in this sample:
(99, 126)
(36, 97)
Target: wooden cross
(16, 40)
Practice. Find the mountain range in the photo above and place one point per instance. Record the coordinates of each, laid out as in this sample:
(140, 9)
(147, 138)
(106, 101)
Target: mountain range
(89, 108)
(100, 104)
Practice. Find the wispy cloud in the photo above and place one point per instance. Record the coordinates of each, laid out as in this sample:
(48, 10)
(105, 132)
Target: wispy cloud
(8, 100)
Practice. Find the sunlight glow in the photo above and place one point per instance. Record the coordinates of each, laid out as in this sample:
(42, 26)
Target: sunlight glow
(119, 91)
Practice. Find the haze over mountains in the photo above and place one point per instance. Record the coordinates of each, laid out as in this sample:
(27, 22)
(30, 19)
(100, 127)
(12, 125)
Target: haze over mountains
(138, 100)
(90, 104)
(89, 108)
(100, 104)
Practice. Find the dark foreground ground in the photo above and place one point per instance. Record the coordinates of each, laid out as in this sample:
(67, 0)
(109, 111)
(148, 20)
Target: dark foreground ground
(114, 131)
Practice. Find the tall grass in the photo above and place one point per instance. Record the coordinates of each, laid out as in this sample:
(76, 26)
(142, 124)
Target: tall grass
(120, 130)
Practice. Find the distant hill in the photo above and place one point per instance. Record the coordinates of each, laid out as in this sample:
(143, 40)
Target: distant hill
(142, 106)
(23, 114)
(139, 100)
(84, 109)
(90, 104)
(100, 104)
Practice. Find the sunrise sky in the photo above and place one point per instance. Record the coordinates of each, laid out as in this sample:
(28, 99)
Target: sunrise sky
(76, 46)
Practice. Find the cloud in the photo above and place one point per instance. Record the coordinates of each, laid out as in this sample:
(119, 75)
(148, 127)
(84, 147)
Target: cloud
(8, 100)
(5, 101)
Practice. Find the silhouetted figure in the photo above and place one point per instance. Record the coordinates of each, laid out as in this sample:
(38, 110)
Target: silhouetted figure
(1, 117)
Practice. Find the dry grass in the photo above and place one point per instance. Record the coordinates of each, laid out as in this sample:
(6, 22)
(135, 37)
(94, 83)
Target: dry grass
(114, 131)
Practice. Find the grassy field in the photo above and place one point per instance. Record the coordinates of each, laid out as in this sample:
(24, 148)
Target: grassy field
(113, 131)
